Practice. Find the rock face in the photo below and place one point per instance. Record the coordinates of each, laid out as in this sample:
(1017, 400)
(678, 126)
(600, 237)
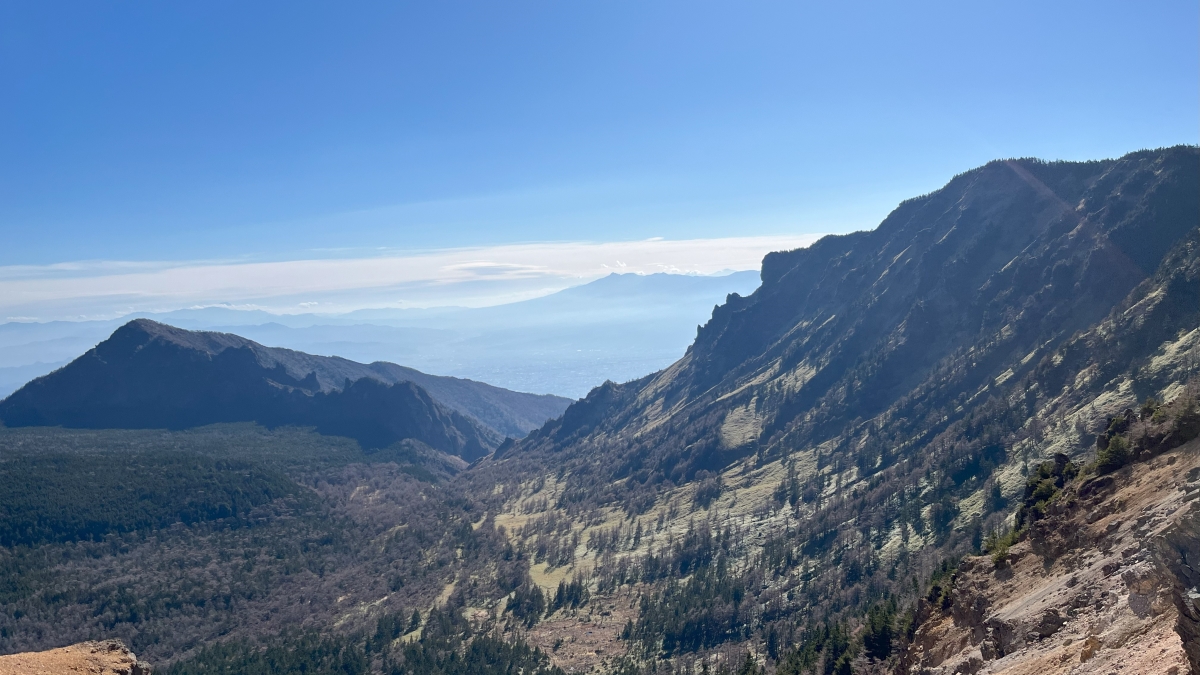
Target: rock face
(109, 657)
(150, 375)
(876, 340)
(1107, 582)
(891, 382)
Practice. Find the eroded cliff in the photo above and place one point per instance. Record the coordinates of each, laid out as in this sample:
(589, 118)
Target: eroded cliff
(1106, 582)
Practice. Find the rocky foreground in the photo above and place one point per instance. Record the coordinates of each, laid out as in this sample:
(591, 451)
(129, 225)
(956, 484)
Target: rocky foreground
(1106, 583)
(109, 657)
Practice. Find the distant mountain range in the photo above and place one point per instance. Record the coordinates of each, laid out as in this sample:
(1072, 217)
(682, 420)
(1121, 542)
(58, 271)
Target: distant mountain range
(616, 328)
(965, 439)
(151, 375)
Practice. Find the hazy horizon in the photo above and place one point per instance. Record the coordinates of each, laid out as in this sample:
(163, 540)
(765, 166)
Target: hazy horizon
(277, 156)
(618, 327)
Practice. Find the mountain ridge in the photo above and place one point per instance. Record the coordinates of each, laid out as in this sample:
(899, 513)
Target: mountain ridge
(241, 380)
(807, 490)
(617, 327)
(733, 348)
(893, 385)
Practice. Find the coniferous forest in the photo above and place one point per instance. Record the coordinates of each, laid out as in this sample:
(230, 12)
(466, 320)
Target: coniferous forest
(807, 490)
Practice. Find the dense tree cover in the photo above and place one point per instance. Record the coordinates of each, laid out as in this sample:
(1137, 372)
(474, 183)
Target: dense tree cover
(446, 646)
(72, 497)
(827, 649)
(571, 594)
(350, 528)
(707, 610)
(527, 604)
(303, 653)
(889, 408)
(449, 646)
(1042, 485)
(879, 630)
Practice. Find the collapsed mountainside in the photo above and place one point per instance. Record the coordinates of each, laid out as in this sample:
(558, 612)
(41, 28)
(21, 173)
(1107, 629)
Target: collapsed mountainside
(872, 409)
(1106, 580)
(149, 375)
(777, 501)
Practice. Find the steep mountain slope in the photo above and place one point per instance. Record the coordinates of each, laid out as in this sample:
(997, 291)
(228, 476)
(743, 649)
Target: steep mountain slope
(1104, 582)
(779, 500)
(950, 293)
(872, 408)
(149, 375)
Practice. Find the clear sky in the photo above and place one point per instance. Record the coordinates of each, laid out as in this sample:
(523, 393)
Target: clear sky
(265, 132)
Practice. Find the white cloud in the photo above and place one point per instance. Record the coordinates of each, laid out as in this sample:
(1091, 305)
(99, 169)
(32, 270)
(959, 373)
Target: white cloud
(462, 276)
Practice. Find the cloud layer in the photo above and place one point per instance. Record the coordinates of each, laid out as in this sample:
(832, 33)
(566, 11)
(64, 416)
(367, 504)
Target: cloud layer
(460, 276)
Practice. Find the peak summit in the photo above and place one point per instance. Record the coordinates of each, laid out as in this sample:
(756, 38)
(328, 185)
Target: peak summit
(152, 375)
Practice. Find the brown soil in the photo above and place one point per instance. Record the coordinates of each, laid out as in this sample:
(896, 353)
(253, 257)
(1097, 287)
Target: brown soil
(1100, 586)
(109, 657)
(585, 640)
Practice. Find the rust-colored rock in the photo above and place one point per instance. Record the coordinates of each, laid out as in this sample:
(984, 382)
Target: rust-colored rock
(1103, 584)
(108, 657)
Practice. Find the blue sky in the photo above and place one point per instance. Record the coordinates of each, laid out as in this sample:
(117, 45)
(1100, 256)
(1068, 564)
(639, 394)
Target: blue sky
(136, 132)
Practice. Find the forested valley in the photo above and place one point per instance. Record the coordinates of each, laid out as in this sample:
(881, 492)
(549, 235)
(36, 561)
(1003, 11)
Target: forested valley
(795, 495)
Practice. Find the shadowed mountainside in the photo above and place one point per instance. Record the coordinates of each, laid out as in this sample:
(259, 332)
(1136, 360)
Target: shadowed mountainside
(150, 375)
(780, 500)
(865, 343)
(871, 410)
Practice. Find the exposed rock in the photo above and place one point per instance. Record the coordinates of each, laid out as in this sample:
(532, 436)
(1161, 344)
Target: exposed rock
(1106, 579)
(868, 363)
(107, 657)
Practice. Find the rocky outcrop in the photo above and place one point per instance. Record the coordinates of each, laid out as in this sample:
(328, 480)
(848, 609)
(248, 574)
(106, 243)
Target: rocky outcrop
(1107, 581)
(108, 657)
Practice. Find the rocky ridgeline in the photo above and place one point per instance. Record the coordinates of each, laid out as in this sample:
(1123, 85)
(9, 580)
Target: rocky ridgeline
(1103, 583)
(108, 657)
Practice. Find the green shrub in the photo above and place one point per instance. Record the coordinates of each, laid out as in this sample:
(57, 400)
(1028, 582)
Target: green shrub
(1114, 456)
(1042, 486)
(997, 545)
(879, 630)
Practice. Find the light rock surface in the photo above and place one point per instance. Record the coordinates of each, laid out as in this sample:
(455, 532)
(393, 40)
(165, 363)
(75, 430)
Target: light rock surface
(109, 657)
(1107, 583)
